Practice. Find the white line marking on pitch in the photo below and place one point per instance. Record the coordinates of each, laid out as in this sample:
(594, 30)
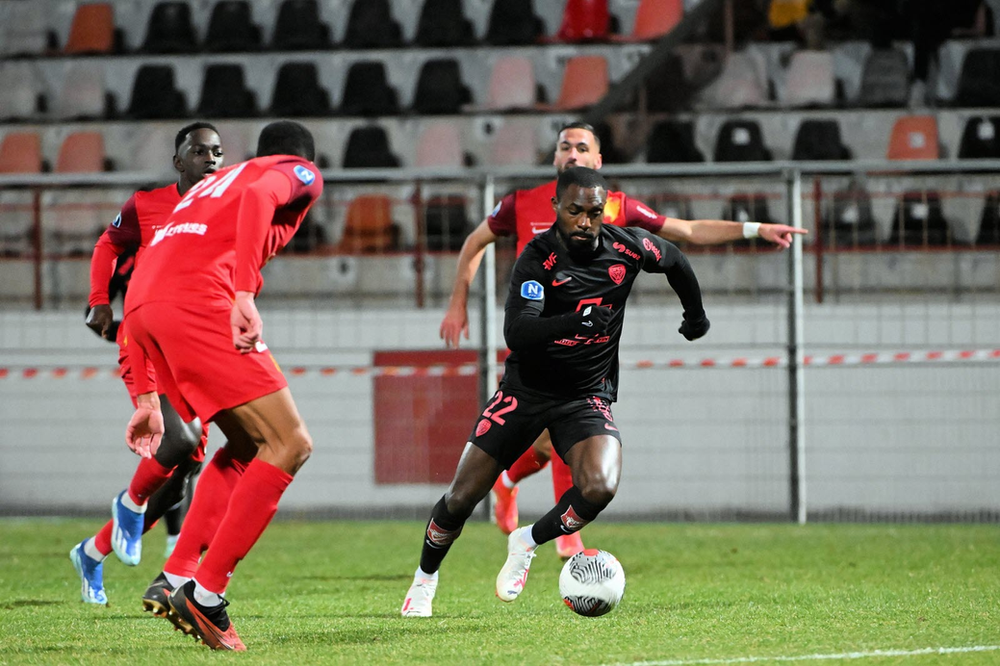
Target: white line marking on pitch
(818, 657)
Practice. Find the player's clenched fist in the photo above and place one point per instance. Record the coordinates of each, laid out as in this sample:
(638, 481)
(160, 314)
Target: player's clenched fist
(694, 327)
(592, 320)
(245, 322)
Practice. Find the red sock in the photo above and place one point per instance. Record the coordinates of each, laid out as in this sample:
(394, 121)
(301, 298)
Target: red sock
(530, 462)
(102, 540)
(253, 504)
(148, 478)
(208, 506)
(562, 477)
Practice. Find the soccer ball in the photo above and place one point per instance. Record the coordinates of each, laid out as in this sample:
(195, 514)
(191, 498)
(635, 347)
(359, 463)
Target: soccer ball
(592, 582)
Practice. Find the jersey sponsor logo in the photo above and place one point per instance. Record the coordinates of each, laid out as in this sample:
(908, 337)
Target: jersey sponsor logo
(532, 291)
(483, 427)
(627, 252)
(304, 174)
(496, 209)
(550, 262)
(559, 283)
(617, 273)
(182, 228)
(572, 521)
(117, 222)
(645, 211)
(582, 340)
(649, 245)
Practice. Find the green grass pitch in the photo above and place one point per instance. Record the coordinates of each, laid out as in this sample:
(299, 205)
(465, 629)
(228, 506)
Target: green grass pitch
(330, 592)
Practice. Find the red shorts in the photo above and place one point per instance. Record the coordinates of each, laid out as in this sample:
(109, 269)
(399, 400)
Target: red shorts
(125, 365)
(197, 366)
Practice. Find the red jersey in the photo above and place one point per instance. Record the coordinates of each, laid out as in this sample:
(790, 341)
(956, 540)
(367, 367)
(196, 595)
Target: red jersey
(133, 229)
(528, 213)
(223, 231)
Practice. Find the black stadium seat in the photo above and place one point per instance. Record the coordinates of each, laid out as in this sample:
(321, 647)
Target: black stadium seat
(170, 29)
(366, 91)
(819, 139)
(224, 93)
(231, 28)
(298, 27)
(980, 138)
(368, 147)
(297, 92)
(512, 23)
(919, 219)
(370, 26)
(442, 23)
(979, 82)
(673, 141)
(741, 141)
(440, 88)
(154, 94)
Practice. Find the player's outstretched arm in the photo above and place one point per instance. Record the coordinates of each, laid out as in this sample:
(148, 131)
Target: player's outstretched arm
(145, 428)
(456, 319)
(715, 232)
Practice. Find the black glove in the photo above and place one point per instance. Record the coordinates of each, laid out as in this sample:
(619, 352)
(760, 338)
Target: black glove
(694, 327)
(592, 320)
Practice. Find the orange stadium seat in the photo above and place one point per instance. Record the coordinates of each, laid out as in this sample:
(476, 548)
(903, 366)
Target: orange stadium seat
(81, 152)
(655, 18)
(21, 152)
(914, 138)
(93, 30)
(585, 82)
(584, 20)
(368, 226)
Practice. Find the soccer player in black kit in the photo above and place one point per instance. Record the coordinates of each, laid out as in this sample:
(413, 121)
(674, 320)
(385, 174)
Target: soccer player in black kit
(563, 323)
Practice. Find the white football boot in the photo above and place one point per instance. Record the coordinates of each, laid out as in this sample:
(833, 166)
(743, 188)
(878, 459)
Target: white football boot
(514, 574)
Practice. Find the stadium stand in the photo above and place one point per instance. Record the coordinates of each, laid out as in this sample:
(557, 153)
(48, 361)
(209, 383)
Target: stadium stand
(514, 143)
(741, 141)
(231, 28)
(21, 152)
(224, 93)
(809, 80)
(370, 25)
(512, 84)
(989, 223)
(819, 139)
(978, 84)
(82, 152)
(92, 31)
(848, 220)
(446, 222)
(83, 95)
(155, 95)
(440, 89)
(653, 19)
(666, 88)
(368, 226)
(367, 92)
(673, 141)
(298, 27)
(439, 145)
(513, 22)
(979, 138)
(584, 83)
(170, 29)
(885, 80)
(297, 92)
(919, 220)
(442, 23)
(25, 31)
(585, 20)
(914, 138)
(368, 147)
(23, 95)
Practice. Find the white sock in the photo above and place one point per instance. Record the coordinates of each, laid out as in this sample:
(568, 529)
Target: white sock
(91, 550)
(527, 538)
(175, 580)
(423, 574)
(132, 506)
(204, 597)
(505, 480)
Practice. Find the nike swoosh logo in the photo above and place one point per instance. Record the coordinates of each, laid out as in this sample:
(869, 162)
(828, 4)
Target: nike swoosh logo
(608, 427)
(557, 283)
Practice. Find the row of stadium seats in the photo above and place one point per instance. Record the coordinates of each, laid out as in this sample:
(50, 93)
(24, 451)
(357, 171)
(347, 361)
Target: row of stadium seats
(517, 141)
(306, 24)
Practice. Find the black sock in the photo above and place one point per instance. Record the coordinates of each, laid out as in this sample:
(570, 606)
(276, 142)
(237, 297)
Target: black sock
(568, 516)
(442, 529)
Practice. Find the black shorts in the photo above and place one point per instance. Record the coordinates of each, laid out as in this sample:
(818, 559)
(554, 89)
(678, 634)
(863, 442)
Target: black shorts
(511, 422)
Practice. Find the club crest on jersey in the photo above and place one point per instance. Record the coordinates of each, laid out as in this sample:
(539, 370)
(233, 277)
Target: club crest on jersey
(304, 174)
(532, 291)
(118, 221)
(483, 427)
(617, 273)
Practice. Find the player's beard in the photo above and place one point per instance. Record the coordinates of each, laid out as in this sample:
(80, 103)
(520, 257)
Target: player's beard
(579, 250)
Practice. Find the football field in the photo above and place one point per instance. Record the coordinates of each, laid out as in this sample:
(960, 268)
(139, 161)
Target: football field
(329, 593)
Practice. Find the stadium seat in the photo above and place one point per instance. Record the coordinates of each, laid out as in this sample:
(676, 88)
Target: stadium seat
(585, 20)
(979, 138)
(446, 222)
(440, 89)
(154, 94)
(513, 23)
(368, 147)
(368, 226)
(989, 225)
(17, 219)
(152, 150)
(667, 89)
(919, 220)
(23, 96)
(747, 207)
(367, 92)
(21, 152)
(610, 154)
(299, 27)
(885, 79)
(231, 28)
(82, 152)
(83, 94)
(670, 204)
(297, 92)
(515, 143)
(439, 145)
(914, 138)
(819, 139)
(848, 220)
(73, 219)
(741, 84)
(370, 25)
(741, 141)
(979, 82)
(809, 80)
(92, 31)
(442, 23)
(673, 141)
(170, 29)
(25, 29)
(584, 83)
(653, 19)
(224, 93)
(512, 84)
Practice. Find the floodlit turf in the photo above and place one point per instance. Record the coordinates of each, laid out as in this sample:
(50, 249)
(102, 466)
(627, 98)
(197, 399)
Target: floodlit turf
(330, 592)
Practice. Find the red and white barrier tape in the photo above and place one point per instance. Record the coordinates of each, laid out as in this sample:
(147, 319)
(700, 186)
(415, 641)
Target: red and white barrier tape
(470, 369)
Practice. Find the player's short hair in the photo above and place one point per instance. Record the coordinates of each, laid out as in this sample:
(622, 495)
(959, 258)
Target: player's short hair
(582, 126)
(582, 177)
(286, 137)
(187, 129)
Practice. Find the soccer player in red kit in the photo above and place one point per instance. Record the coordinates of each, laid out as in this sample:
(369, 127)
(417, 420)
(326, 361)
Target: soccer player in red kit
(190, 309)
(527, 213)
(159, 482)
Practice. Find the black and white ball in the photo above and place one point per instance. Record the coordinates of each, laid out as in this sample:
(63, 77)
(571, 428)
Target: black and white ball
(592, 582)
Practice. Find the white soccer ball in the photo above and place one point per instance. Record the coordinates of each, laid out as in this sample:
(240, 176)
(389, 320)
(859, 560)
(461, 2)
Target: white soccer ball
(592, 582)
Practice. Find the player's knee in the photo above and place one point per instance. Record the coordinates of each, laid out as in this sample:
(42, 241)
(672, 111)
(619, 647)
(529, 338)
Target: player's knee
(599, 490)
(177, 446)
(460, 503)
(301, 445)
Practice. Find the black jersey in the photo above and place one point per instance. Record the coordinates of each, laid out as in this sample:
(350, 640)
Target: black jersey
(547, 282)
